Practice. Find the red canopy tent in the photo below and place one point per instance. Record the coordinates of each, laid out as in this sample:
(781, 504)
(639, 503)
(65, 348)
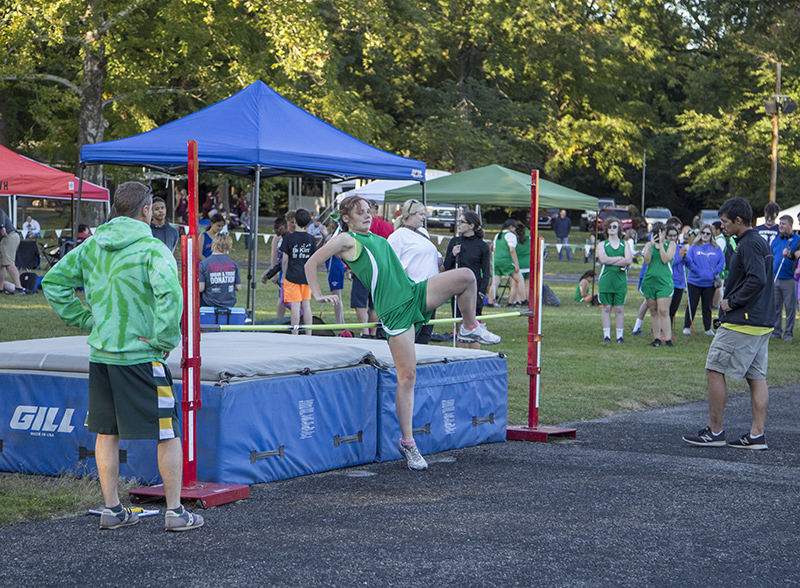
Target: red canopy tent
(20, 176)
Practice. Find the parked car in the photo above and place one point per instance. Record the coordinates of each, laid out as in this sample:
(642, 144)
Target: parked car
(629, 216)
(708, 217)
(443, 216)
(588, 216)
(546, 217)
(656, 214)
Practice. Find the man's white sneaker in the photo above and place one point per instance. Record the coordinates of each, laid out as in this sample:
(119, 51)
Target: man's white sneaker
(687, 331)
(414, 460)
(480, 334)
(710, 332)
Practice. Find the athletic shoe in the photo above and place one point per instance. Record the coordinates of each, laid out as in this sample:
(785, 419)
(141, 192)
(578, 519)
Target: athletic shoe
(606, 339)
(669, 344)
(748, 442)
(656, 343)
(710, 332)
(184, 521)
(413, 458)
(113, 520)
(687, 331)
(706, 438)
(620, 340)
(638, 332)
(480, 334)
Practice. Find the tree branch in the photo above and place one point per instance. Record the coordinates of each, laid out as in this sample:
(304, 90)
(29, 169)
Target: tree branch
(162, 91)
(121, 14)
(49, 78)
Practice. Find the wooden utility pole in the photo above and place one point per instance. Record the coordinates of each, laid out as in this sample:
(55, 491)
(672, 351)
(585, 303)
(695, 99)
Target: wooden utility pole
(774, 178)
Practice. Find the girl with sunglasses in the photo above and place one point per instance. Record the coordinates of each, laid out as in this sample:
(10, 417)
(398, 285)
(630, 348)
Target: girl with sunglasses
(612, 285)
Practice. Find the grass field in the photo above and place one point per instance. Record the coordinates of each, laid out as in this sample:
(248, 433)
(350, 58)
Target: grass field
(581, 377)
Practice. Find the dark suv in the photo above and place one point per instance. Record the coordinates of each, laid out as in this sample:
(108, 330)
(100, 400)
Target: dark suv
(629, 216)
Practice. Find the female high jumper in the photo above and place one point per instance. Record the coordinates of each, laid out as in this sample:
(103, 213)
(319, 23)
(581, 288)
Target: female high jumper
(402, 305)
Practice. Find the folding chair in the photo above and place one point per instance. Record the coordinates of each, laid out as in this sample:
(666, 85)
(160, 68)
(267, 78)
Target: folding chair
(27, 255)
(502, 288)
(51, 253)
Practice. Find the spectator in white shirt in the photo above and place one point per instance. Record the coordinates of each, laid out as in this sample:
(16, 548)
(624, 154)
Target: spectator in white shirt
(31, 228)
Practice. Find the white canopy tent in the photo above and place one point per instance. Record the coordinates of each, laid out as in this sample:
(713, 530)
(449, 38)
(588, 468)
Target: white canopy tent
(376, 190)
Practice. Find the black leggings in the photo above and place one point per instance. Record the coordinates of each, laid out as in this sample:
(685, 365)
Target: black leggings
(695, 294)
(677, 296)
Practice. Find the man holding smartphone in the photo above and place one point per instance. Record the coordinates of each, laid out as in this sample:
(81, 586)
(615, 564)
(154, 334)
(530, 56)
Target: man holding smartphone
(739, 348)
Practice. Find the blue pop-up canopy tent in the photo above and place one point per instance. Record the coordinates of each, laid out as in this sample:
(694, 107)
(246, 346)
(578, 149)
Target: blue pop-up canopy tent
(256, 132)
(256, 128)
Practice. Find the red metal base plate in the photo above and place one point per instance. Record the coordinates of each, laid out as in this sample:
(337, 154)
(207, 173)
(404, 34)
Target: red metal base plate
(542, 434)
(206, 493)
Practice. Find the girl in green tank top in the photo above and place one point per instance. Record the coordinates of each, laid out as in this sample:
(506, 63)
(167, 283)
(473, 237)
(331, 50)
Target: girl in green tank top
(657, 285)
(400, 303)
(612, 284)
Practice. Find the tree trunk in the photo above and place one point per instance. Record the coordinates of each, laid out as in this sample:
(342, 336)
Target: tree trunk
(91, 124)
(3, 119)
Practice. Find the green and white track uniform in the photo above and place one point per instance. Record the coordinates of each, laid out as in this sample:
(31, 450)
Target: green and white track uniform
(657, 282)
(399, 302)
(612, 285)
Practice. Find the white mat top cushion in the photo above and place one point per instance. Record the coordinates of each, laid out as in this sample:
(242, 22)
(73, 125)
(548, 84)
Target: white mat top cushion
(235, 355)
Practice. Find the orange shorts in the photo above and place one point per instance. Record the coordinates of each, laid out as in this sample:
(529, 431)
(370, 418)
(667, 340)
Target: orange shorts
(295, 292)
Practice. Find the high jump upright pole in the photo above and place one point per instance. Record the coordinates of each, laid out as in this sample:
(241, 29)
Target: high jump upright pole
(190, 323)
(533, 432)
(206, 493)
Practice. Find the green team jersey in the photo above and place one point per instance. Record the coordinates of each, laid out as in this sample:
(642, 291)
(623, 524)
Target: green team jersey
(132, 290)
(658, 275)
(612, 278)
(377, 267)
(523, 252)
(502, 254)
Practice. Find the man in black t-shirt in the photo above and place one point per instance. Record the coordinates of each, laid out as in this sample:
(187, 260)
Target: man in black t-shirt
(296, 248)
(769, 230)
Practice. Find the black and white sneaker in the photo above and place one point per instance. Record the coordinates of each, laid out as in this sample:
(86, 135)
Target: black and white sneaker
(748, 442)
(638, 332)
(706, 438)
(620, 340)
(606, 339)
(656, 343)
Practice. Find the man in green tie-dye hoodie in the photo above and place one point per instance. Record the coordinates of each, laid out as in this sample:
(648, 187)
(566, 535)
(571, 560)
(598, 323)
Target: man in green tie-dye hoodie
(133, 312)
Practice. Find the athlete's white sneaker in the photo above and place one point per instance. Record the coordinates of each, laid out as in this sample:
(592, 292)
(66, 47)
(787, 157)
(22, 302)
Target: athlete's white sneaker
(480, 334)
(413, 457)
(687, 331)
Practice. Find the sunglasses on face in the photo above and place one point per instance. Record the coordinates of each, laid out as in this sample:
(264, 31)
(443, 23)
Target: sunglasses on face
(614, 226)
(705, 233)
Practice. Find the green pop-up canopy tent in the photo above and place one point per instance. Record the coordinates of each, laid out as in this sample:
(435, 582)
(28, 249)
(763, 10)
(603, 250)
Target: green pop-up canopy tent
(493, 185)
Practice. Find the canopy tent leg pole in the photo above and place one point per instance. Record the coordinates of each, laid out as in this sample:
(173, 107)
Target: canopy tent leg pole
(424, 203)
(254, 242)
(533, 432)
(249, 243)
(77, 220)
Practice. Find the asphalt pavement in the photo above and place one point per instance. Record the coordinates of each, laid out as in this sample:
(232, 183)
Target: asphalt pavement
(627, 503)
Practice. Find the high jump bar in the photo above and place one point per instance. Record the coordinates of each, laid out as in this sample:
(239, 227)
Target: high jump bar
(442, 321)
